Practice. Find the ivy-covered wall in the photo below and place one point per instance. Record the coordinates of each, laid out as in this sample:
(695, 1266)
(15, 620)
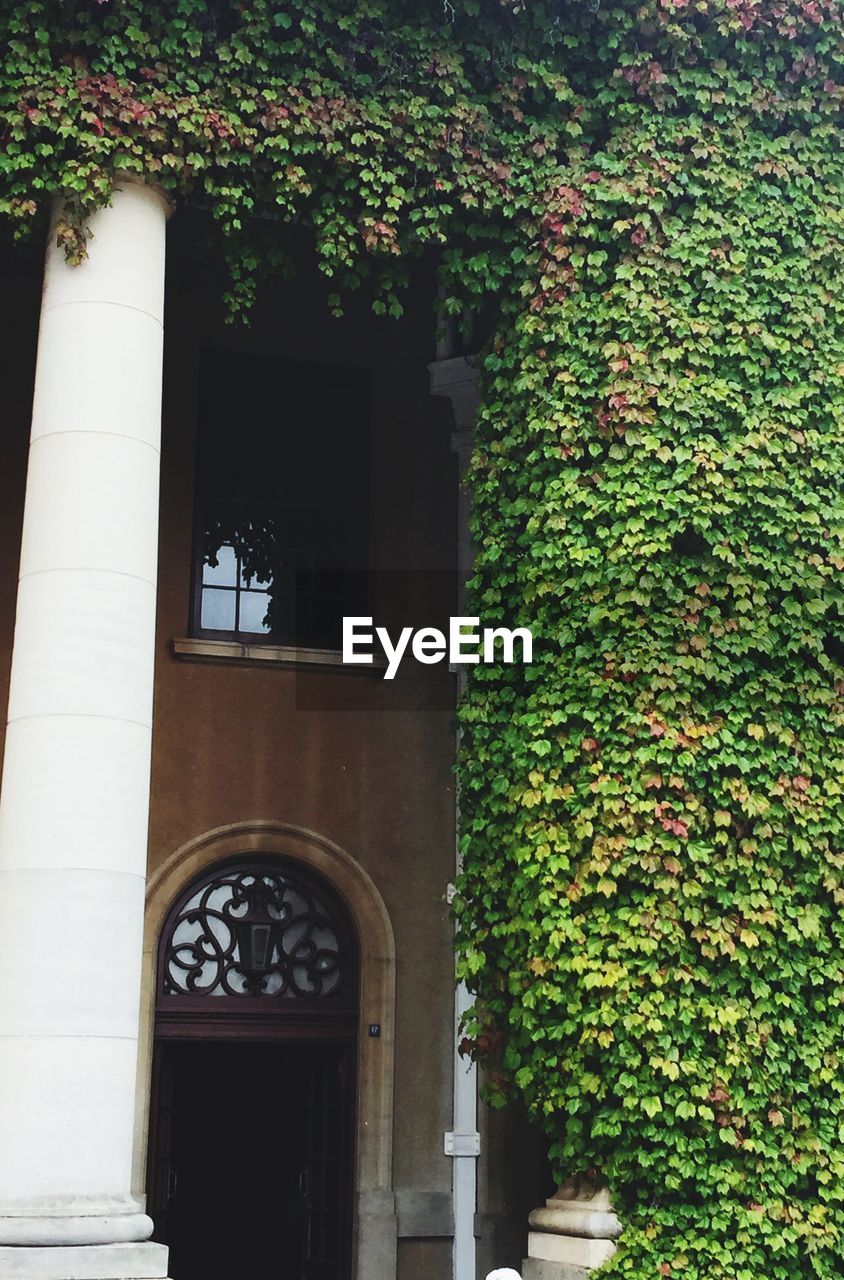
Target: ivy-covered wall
(653, 194)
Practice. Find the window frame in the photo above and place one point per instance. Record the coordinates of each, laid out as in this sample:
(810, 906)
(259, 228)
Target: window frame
(197, 631)
(202, 498)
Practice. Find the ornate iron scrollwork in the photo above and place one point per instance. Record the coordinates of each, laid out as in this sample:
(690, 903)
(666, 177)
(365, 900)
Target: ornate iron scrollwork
(252, 931)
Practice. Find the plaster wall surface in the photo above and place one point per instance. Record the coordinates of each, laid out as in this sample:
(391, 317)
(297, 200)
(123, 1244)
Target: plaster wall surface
(364, 762)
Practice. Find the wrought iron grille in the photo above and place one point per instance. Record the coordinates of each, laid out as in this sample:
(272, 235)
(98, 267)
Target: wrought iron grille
(253, 931)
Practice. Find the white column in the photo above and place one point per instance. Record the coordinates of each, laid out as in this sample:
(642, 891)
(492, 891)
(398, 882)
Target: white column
(75, 790)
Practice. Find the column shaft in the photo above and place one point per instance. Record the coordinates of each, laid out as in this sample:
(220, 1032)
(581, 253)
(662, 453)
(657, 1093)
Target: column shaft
(75, 790)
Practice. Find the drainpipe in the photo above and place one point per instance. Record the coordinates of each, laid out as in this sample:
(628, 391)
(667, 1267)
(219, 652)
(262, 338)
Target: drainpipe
(463, 1144)
(456, 378)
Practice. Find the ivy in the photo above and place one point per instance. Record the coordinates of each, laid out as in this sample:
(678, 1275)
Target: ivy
(653, 193)
(385, 127)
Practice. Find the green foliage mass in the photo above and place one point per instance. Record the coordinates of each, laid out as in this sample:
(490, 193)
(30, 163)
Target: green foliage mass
(651, 906)
(385, 126)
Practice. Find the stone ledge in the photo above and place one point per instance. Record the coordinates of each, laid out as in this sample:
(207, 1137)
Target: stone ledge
(536, 1269)
(574, 1218)
(576, 1251)
(424, 1214)
(193, 649)
(141, 1261)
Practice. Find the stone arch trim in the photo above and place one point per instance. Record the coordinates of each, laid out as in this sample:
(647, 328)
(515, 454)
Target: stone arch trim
(375, 1227)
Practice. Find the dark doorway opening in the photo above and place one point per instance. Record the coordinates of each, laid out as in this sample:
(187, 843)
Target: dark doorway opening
(250, 1172)
(251, 1158)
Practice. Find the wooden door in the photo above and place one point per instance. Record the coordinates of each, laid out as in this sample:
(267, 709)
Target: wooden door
(326, 1176)
(250, 1167)
(161, 1179)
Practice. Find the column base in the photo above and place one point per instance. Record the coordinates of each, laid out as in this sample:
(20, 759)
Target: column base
(537, 1269)
(377, 1236)
(572, 1251)
(573, 1233)
(140, 1261)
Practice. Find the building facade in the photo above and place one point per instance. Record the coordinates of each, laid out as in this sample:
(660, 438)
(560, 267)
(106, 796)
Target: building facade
(227, 1007)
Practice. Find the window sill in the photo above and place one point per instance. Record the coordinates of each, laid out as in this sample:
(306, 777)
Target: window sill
(190, 649)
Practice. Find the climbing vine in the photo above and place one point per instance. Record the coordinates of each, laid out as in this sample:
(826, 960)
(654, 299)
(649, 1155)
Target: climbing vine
(651, 906)
(385, 127)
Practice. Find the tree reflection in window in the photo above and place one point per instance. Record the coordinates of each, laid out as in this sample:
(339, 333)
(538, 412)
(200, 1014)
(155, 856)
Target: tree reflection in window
(282, 501)
(238, 574)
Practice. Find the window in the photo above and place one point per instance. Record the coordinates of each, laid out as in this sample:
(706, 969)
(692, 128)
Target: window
(282, 536)
(256, 928)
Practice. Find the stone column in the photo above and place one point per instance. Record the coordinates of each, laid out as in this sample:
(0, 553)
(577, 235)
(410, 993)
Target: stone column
(75, 790)
(572, 1234)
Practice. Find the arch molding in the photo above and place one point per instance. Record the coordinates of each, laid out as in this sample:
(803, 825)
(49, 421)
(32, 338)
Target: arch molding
(375, 1217)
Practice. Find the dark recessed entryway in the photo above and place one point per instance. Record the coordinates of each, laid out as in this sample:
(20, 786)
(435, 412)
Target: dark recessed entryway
(251, 1164)
(251, 1169)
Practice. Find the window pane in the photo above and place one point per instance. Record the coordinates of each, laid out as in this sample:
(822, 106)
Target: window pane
(260, 578)
(283, 462)
(224, 573)
(217, 609)
(253, 609)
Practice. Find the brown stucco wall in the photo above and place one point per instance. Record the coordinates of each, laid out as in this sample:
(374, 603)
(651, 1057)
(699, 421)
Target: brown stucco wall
(233, 743)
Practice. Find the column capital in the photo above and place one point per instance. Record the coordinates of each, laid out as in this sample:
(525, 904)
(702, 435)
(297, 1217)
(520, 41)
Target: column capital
(134, 181)
(124, 267)
(457, 379)
(125, 180)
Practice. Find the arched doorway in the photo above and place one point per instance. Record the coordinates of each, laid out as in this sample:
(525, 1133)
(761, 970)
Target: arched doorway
(253, 1107)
